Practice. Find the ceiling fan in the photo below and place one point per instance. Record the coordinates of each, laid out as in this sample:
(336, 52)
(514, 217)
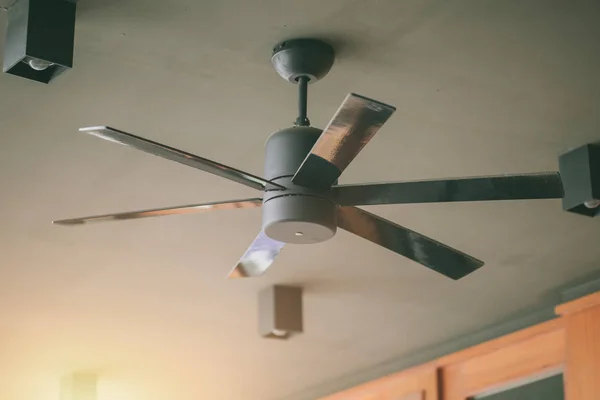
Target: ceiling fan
(302, 202)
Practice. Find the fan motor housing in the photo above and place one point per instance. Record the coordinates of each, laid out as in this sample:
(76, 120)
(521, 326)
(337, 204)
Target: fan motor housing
(296, 214)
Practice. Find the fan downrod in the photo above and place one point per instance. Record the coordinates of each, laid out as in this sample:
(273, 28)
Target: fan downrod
(302, 61)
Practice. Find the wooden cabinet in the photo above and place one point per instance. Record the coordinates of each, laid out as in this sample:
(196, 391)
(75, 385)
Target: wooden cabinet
(568, 345)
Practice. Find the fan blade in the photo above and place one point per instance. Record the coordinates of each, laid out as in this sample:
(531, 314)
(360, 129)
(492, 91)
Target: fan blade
(356, 121)
(259, 256)
(157, 212)
(170, 153)
(504, 187)
(428, 252)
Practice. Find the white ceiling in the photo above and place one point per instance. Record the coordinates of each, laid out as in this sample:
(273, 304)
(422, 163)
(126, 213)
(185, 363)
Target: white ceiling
(481, 87)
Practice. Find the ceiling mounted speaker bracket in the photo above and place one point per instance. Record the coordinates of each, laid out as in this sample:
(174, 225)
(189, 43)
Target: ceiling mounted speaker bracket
(294, 58)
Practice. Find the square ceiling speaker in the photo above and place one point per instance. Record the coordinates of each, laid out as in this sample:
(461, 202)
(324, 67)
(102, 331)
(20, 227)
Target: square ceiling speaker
(280, 312)
(580, 174)
(39, 39)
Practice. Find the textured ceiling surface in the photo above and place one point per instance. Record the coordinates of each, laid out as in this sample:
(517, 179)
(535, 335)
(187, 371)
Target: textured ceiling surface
(481, 87)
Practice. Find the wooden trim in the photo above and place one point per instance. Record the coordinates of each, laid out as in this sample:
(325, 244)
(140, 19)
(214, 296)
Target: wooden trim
(414, 396)
(420, 382)
(578, 305)
(432, 385)
(501, 342)
(582, 363)
(535, 356)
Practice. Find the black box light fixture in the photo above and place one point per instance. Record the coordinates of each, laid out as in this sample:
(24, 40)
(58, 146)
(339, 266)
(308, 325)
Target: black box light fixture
(580, 173)
(39, 40)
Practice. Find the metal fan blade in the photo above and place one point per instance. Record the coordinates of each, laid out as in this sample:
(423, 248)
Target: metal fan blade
(428, 252)
(504, 187)
(259, 256)
(180, 156)
(157, 212)
(356, 121)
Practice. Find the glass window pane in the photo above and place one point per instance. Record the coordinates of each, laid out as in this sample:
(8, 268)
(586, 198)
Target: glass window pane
(544, 389)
